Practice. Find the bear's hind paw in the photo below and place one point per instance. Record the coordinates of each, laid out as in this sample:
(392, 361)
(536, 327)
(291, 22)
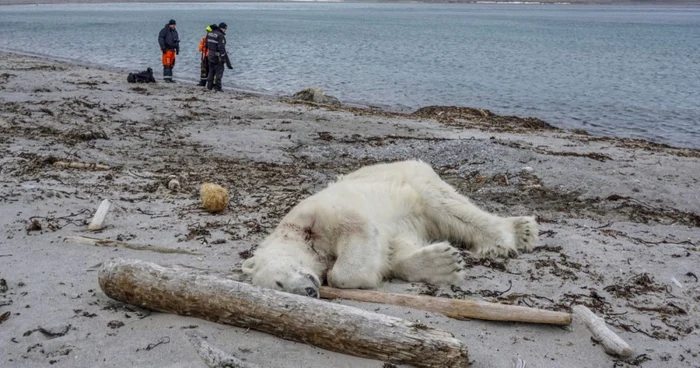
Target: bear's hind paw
(438, 263)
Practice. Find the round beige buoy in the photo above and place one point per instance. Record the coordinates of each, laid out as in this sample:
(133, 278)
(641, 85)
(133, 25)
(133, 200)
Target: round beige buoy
(214, 197)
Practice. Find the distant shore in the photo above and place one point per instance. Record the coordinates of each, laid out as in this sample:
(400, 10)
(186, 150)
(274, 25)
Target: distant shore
(501, 2)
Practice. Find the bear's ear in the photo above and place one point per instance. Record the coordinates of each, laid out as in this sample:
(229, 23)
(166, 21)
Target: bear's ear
(249, 265)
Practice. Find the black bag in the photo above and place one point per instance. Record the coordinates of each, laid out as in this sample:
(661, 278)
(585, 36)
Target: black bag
(145, 76)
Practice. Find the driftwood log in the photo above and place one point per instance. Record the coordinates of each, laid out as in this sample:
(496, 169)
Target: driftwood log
(77, 239)
(454, 308)
(80, 165)
(312, 321)
(612, 344)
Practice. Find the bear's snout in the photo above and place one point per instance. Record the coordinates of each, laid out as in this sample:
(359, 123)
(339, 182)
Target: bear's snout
(312, 292)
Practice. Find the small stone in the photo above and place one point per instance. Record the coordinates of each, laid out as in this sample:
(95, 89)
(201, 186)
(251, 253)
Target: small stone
(528, 169)
(174, 185)
(115, 324)
(34, 226)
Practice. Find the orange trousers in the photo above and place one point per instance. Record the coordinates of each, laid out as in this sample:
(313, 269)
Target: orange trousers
(169, 58)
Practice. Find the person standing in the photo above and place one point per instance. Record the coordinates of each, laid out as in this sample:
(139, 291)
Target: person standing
(216, 44)
(204, 59)
(169, 42)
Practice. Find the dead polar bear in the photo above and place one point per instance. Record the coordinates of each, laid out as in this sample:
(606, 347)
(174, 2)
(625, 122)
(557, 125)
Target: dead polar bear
(383, 220)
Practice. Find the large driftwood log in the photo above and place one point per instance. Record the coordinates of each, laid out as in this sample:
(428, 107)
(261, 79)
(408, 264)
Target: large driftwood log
(454, 308)
(312, 321)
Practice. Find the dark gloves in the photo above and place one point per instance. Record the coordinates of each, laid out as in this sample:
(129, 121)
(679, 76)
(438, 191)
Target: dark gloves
(177, 52)
(228, 65)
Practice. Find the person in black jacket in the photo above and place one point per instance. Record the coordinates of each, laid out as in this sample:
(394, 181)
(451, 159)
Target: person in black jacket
(216, 44)
(169, 42)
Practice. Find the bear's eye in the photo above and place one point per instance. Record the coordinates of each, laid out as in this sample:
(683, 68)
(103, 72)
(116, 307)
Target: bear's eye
(279, 284)
(313, 280)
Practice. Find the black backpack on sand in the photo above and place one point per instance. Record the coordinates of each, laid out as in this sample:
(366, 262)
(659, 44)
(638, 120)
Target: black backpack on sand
(145, 76)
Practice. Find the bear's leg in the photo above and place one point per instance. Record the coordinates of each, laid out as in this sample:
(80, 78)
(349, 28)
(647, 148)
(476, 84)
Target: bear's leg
(454, 215)
(361, 263)
(438, 263)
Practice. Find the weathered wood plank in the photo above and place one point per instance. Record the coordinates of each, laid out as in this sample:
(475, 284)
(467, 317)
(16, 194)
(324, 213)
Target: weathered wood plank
(453, 308)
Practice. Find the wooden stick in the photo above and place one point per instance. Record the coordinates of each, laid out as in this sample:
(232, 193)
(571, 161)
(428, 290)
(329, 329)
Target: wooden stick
(100, 215)
(612, 344)
(454, 308)
(330, 326)
(115, 243)
(214, 357)
(79, 165)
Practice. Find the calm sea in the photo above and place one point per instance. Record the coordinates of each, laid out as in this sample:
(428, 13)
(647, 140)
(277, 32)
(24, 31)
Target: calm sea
(630, 71)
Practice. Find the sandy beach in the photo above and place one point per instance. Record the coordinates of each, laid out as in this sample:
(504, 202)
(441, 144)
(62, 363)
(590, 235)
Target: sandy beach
(619, 219)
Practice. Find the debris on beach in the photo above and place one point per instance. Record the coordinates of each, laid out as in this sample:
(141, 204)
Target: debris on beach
(55, 331)
(80, 165)
(4, 316)
(115, 324)
(116, 243)
(454, 115)
(316, 95)
(214, 357)
(34, 225)
(100, 216)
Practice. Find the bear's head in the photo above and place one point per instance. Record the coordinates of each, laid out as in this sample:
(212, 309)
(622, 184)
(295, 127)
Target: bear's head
(282, 272)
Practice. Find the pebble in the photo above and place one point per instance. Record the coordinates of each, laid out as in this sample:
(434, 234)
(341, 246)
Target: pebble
(174, 185)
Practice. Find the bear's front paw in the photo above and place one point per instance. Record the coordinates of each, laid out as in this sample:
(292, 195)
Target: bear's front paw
(526, 233)
(498, 243)
(513, 234)
(342, 279)
(497, 249)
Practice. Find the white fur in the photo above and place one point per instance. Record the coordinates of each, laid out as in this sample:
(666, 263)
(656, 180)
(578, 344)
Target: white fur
(385, 220)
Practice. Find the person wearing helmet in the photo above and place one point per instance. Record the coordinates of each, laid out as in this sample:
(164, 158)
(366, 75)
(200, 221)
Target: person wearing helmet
(204, 60)
(169, 42)
(216, 44)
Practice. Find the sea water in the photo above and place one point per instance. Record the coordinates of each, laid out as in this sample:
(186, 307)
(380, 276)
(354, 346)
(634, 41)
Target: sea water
(630, 71)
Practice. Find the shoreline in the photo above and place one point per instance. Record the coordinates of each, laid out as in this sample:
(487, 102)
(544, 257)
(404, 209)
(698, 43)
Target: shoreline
(383, 110)
(618, 219)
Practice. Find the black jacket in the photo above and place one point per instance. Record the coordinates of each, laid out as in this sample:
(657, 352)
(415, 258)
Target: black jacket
(216, 43)
(168, 39)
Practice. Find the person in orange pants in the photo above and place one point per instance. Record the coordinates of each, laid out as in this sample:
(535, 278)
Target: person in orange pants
(204, 62)
(169, 42)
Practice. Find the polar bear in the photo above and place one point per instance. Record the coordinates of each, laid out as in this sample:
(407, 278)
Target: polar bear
(384, 220)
